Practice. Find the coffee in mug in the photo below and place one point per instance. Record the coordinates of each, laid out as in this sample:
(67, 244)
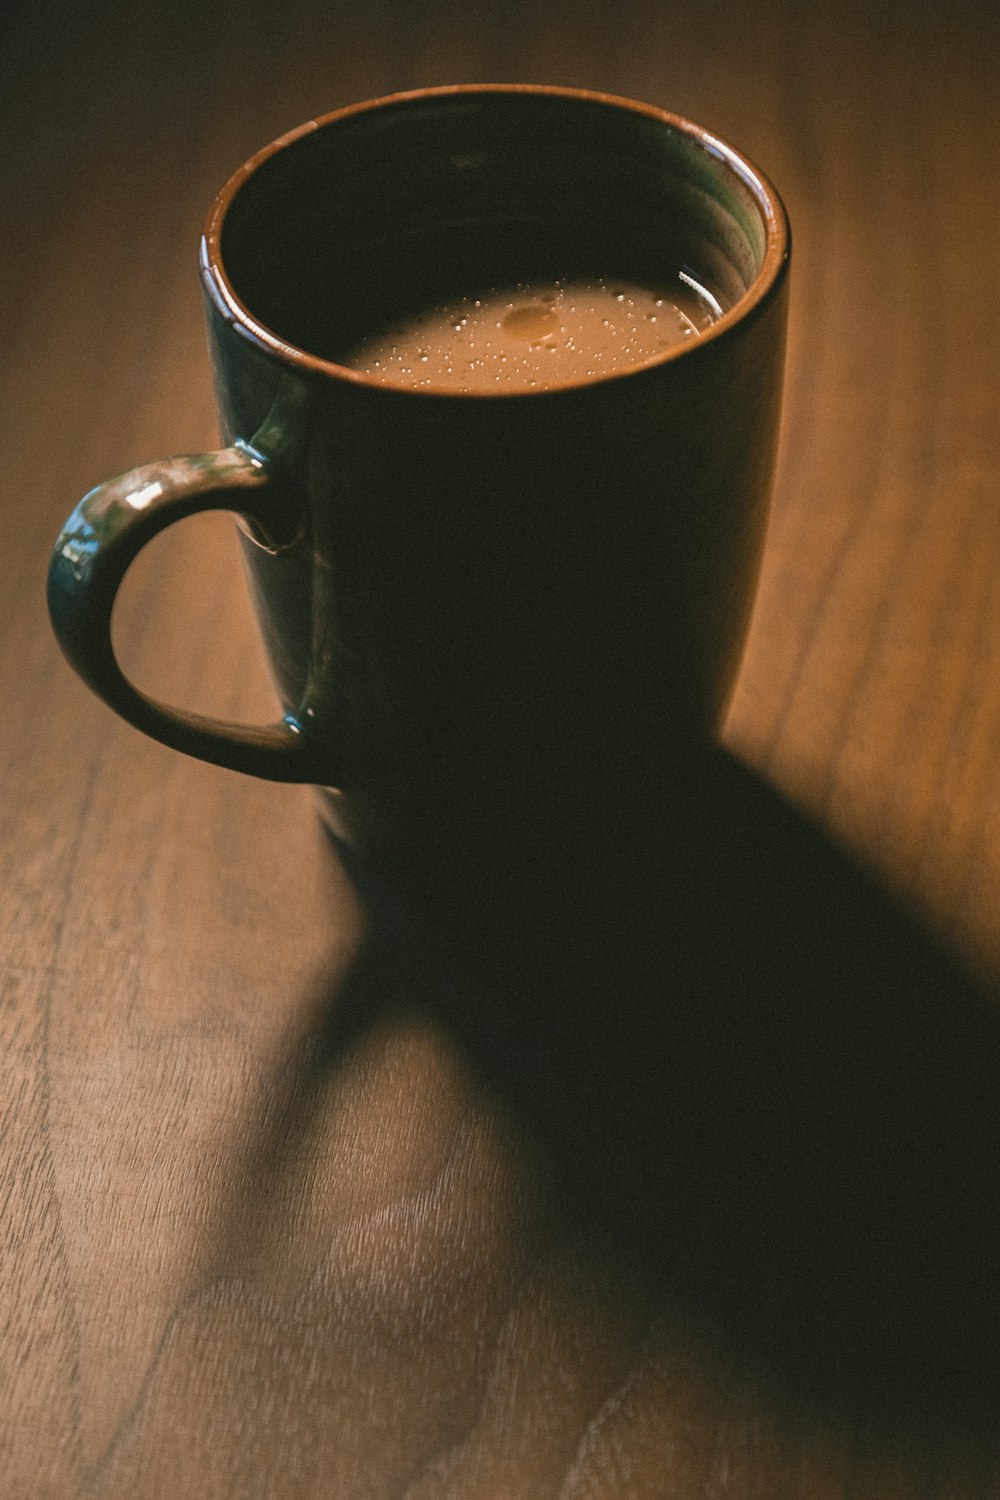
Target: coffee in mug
(530, 335)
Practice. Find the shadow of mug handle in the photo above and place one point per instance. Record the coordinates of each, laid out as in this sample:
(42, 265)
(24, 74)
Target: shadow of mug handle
(105, 533)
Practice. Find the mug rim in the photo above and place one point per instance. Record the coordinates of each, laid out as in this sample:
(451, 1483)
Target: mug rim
(219, 287)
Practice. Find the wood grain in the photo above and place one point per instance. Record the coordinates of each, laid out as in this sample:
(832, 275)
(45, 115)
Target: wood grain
(693, 1194)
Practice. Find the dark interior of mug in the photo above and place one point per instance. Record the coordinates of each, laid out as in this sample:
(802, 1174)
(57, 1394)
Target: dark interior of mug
(382, 211)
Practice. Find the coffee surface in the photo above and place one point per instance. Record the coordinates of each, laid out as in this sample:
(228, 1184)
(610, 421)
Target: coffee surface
(531, 335)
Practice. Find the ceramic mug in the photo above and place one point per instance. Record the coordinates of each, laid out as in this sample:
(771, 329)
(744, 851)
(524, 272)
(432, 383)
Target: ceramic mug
(472, 605)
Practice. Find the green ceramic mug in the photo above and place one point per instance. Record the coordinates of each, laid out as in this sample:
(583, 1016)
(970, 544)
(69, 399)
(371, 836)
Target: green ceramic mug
(472, 603)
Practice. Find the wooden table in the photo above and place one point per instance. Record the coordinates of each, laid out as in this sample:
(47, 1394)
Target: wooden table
(695, 1193)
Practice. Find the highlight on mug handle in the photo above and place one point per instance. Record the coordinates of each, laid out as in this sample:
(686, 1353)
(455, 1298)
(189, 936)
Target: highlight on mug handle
(107, 530)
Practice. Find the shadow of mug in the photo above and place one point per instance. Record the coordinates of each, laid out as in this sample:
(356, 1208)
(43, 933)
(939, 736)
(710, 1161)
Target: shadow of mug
(474, 605)
(748, 1072)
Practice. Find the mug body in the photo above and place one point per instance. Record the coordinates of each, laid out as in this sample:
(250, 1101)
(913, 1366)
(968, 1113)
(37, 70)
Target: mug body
(486, 606)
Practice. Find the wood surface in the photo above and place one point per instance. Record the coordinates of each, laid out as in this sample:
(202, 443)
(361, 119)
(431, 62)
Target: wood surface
(695, 1191)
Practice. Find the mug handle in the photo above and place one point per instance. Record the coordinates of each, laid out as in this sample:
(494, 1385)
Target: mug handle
(102, 537)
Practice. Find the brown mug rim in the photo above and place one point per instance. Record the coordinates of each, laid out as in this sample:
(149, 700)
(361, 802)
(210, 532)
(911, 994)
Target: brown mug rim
(219, 287)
